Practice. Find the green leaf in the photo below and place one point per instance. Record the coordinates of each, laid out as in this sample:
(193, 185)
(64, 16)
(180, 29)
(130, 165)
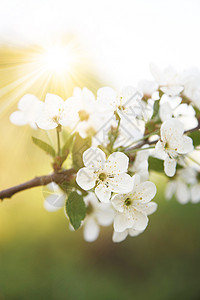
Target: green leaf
(80, 146)
(156, 164)
(67, 145)
(195, 135)
(76, 209)
(44, 146)
(156, 108)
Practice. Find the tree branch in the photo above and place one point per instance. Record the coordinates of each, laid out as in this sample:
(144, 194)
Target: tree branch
(63, 176)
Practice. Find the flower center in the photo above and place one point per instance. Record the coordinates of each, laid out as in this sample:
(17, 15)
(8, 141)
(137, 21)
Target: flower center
(128, 201)
(102, 176)
(83, 115)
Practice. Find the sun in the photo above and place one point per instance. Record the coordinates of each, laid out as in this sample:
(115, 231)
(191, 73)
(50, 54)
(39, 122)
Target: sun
(57, 59)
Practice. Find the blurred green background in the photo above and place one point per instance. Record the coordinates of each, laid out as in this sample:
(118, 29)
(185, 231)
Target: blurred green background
(41, 259)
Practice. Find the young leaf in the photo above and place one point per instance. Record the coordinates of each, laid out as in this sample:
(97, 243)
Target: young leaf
(195, 135)
(80, 145)
(156, 108)
(76, 209)
(44, 146)
(67, 145)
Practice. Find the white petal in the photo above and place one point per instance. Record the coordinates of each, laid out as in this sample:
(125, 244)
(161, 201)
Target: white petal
(103, 193)
(118, 202)
(53, 104)
(165, 112)
(54, 202)
(90, 230)
(121, 183)
(170, 166)
(146, 191)
(27, 101)
(132, 232)
(160, 150)
(117, 163)
(85, 179)
(119, 236)
(140, 220)
(107, 97)
(171, 129)
(45, 122)
(185, 146)
(150, 208)
(18, 118)
(122, 222)
(195, 193)
(105, 216)
(182, 192)
(170, 189)
(94, 158)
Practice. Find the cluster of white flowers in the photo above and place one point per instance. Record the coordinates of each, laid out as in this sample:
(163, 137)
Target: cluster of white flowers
(131, 133)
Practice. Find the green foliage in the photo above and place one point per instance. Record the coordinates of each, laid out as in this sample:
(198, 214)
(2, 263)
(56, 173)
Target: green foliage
(76, 209)
(68, 145)
(44, 146)
(195, 135)
(156, 108)
(156, 164)
(79, 146)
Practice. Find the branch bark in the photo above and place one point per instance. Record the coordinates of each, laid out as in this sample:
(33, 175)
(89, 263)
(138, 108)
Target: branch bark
(60, 177)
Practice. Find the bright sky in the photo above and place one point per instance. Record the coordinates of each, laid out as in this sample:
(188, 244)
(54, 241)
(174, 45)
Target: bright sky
(123, 37)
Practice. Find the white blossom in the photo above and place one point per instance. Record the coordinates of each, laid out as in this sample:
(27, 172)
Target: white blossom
(105, 176)
(140, 164)
(84, 112)
(127, 102)
(172, 144)
(185, 186)
(171, 107)
(121, 236)
(98, 214)
(28, 109)
(168, 80)
(53, 113)
(131, 207)
(54, 197)
(191, 81)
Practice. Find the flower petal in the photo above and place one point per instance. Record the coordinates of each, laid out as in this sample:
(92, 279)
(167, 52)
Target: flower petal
(160, 150)
(195, 193)
(182, 192)
(140, 220)
(107, 97)
(85, 179)
(53, 104)
(121, 183)
(54, 202)
(118, 202)
(18, 118)
(145, 192)
(103, 193)
(171, 129)
(185, 146)
(117, 163)
(119, 236)
(94, 158)
(90, 230)
(105, 214)
(132, 232)
(122, 222)
(170, 166)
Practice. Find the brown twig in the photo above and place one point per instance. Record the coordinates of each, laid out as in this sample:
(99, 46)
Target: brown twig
(63, 176)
